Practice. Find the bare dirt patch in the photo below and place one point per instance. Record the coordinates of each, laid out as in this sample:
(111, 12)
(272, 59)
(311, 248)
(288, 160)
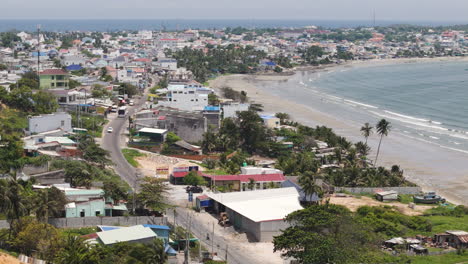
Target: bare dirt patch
(353, 203)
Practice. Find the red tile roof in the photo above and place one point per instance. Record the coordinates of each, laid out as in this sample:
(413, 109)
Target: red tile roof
(53, 72)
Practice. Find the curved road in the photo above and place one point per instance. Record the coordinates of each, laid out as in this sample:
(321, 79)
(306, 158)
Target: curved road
(113, 142)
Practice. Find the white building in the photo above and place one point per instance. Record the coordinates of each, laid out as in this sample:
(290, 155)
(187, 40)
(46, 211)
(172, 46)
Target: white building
(73, 60)
(44, 123)
(230, 109)
(251, 170)
(260, 213)
(170, 64)
(186, 98)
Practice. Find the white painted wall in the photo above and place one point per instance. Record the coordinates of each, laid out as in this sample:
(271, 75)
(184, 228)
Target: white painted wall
(44, 123)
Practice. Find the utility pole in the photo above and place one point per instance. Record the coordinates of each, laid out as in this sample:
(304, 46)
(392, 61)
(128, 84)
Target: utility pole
(38, 55)
(226, 257)
(187, 241)
(212, 241)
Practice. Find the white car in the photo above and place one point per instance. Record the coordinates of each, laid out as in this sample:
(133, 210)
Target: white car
(131, 102)
(110, 130)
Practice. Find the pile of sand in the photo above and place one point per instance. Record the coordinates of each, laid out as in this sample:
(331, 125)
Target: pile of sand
(7, 259)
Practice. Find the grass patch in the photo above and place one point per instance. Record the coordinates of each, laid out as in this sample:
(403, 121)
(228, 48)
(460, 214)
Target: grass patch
(450, 258)
(443, 223)
(130, 155)
(405, 198)
(216, 172)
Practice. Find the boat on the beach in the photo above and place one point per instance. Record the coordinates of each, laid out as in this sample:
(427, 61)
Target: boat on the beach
(428, 198)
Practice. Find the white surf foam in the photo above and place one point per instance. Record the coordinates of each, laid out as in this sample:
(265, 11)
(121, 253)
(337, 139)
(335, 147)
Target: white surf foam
(361, 104)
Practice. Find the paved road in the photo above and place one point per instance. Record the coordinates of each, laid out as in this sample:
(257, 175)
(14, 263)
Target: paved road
(200, 229)
(112, 143)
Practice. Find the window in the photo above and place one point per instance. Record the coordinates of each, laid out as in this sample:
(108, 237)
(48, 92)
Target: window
(191, 100)
(52, 84)
(53, 77)
(82, 213)
(196, 100)
(191, 92)
(98, 213)
(175, 100)
(62, 123)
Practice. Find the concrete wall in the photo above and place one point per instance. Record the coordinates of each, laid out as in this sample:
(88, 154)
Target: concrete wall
(190, 129)
(94, 221)
(271, 228)
(230, 110)
(400, 190)
(43, 123)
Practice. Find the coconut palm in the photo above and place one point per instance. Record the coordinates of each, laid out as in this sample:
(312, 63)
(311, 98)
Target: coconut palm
(307, 182)
(155, 254)
(383, 128)
(366, 131)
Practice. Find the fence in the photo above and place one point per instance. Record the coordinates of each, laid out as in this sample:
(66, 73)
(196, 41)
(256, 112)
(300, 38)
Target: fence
(78, 222)
(400, 190)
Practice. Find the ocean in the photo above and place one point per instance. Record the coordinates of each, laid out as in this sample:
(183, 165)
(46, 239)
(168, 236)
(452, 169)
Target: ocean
(108, 25)
(427, 101)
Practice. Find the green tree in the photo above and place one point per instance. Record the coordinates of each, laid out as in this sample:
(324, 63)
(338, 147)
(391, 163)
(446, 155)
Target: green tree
(155, 253)
(153, 194)
(49, 202)
(324, 234)
(13, 199)
(192, 178)
(77, 173)
(307, 182)
(44, 102)
(383, 128)
(126, 88)
(33, 236)
(282, 116)
(213, 99)
(115, 190)
(73, 251)
(251, 184)
(366, 131)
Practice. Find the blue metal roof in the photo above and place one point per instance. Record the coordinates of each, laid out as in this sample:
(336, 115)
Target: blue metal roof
(269, 63)
(74, 67)
(163, 227)
(211, 108)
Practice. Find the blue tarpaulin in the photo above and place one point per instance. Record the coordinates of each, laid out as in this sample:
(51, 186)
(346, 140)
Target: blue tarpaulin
(74, 67)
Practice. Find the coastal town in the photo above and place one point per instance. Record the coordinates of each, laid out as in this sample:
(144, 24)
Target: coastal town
(126, 147)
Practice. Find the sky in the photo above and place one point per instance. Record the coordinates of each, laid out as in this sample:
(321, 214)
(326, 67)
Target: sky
(385, 10)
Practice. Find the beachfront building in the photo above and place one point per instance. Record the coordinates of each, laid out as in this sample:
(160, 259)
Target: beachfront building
(270, 121)
(54, 79)
(186, 97)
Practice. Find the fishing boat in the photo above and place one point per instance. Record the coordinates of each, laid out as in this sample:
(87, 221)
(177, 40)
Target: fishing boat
(428, 198)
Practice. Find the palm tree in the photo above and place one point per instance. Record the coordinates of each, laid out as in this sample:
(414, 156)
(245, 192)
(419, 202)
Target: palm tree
(383, 128)
(74, 251)
(366, 131)
(307, 182)
(156, 254)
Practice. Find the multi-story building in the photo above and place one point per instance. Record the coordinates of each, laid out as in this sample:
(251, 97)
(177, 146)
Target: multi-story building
(54, 79)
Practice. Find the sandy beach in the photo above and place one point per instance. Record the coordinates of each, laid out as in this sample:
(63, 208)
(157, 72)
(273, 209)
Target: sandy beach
(430, 166)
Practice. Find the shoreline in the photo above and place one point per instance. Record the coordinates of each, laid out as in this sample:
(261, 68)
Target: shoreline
(421, 170)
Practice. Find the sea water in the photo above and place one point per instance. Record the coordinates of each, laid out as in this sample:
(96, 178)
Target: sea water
(427, 101)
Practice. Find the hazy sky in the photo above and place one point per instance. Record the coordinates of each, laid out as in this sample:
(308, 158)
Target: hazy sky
(394, 10)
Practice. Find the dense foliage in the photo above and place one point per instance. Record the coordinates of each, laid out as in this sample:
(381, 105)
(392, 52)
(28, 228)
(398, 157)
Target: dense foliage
(227, 59)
